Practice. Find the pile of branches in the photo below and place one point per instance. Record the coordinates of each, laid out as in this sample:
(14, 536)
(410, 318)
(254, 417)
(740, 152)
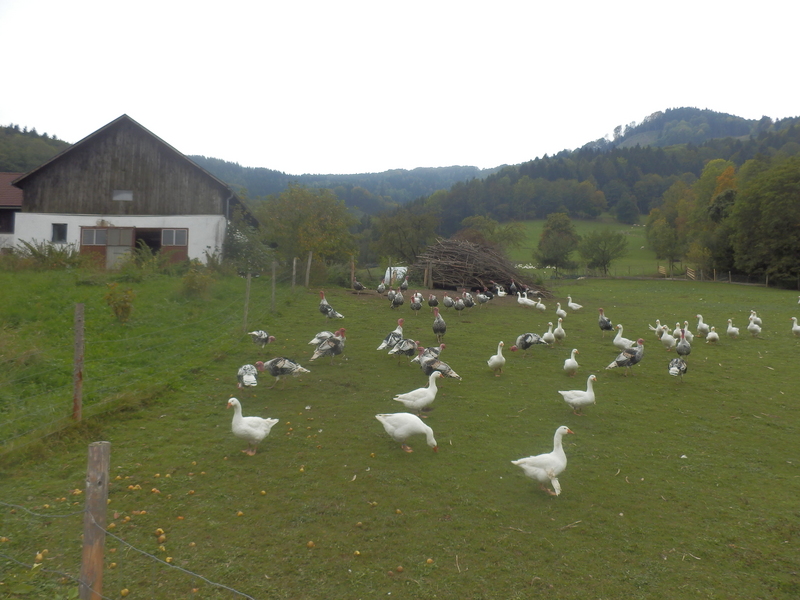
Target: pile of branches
(456, 264)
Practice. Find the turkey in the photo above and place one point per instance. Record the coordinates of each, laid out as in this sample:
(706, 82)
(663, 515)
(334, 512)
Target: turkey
(753, 327)
(497, 361)
(458, 305)
(421, 398)
(439, 326)
(433, 302)
(390, 295)
(571, 364)
(559, 332)
(428, 354)
(247, 375)
(358, 286)
(277, 367)
(332, 347)
(250, 429)
(436, 364)
(577, 399)
(416, 303)
(733, 332)
(405, 347)
(393, 336)
(326, 309)
(683, 347)
(512, 289)
(560, 312)
(469, 301)
(702, 328)
(261, 337)
(381, 287)
(397, 299)
(547, 467)
(712, 336)
(573, 305)
(482, 298)
(404, 285)
(401, 426)
(447, 301)
(604, 322)
(677, 367)
(321, 337)
(622, 342)
(525, 341)
(629, 357)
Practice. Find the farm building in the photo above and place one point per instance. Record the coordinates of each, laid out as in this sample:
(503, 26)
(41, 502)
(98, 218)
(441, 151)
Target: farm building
(10, 204)
(120, 187)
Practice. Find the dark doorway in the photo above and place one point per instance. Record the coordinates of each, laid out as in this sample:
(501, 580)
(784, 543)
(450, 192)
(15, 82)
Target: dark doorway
(149, 237)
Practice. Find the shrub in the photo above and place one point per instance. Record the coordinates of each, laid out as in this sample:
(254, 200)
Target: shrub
(120, 301)
(197, 280)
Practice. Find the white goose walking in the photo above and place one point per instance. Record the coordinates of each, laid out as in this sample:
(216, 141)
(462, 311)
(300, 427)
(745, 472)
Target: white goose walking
(547, 467)
(577, 399)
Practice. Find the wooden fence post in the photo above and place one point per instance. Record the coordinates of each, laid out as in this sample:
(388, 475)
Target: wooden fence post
(294, 271)
(352, 271)
(77, 365)
(94, 521)
(246, 301)
(308, 268)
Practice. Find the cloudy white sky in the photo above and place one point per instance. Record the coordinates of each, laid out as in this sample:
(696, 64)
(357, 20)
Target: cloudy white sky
(364, 86)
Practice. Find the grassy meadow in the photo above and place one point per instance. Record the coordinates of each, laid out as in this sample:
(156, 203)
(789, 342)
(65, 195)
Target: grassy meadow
(672, 490)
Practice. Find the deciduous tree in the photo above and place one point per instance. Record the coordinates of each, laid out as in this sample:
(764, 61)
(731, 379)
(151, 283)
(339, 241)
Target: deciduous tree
(557, 242)
(600, 248)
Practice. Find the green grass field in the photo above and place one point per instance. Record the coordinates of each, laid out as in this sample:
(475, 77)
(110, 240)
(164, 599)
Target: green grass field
(673, 490)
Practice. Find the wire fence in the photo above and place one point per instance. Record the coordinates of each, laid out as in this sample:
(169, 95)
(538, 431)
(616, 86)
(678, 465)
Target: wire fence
(32, 570)
(36, 395)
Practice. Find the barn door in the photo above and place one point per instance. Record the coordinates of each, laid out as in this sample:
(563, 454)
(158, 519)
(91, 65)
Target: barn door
(120, 245)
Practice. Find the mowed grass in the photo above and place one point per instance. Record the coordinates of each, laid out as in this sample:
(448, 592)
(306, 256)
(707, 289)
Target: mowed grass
(673, 490)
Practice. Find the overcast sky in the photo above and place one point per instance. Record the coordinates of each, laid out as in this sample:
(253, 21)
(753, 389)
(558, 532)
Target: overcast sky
(367, 86)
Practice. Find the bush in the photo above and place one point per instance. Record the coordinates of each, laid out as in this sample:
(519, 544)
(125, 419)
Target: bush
(120, 301)
(197, 280)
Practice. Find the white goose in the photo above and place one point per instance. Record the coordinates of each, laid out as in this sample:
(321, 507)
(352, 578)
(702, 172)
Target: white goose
(689, 335)
(250, 429)
(577, 399)
(401, 426)
(524, 300)
(560, 312)
(702, 328)
(795, 327)
(547, 467)
(622, 342)
(548, 337)
(712, 337)
(571, 365)
(421, 398)
(667, 338)
(497, 361)
(559, 332)
(753, 327)
(573, 305)
(539, 305)
(733, 332)
(756, 318)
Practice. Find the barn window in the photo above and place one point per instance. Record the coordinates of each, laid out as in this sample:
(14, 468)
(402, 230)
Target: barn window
(59, 233)
(120, 236)
(122, 195)
(174, 237)
(94, 237)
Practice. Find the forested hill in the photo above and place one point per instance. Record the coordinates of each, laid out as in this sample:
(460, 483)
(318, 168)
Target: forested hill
(22, 150)
(369, 192)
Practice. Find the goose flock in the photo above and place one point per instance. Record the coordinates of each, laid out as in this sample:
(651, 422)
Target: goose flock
(403, 426)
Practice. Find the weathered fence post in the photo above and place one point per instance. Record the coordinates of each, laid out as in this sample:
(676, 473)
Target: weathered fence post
(352, 271)
(77, 366)
(274, 271)
(246, 301)
(294, 271)
(308, 268)
(94, 521)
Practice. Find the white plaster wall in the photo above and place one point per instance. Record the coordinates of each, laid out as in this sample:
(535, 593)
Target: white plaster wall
(206, 232)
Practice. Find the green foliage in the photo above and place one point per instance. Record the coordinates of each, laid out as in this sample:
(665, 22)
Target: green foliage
(197, 280)
(600, 248)
(243, 247)
(47, 255)
(405, 233)
(302, 220)
(557, 242)
(120, 301)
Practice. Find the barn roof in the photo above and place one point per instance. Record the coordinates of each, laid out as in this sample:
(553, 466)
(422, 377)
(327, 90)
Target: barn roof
(10, 196)
(125, 119)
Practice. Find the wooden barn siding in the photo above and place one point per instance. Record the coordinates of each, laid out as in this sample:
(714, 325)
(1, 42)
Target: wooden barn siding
(123, 158)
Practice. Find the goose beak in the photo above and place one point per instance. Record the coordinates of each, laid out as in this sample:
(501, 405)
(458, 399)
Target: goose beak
(569, 430)
(436, 448)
